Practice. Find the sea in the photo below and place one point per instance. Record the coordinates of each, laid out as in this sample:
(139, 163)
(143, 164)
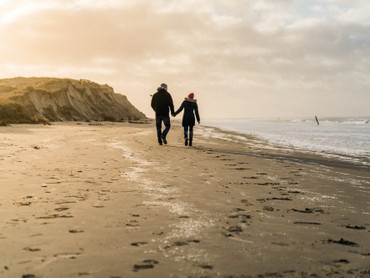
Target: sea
(342, 138)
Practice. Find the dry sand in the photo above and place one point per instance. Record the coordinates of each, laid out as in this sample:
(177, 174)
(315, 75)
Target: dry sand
(82, 200)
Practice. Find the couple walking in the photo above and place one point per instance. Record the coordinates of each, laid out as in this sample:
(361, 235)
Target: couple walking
(162, 104)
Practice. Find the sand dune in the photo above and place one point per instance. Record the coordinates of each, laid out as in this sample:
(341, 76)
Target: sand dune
(34, 100)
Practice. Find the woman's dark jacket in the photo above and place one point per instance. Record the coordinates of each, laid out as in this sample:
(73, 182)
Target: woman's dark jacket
(162, 103)
(190, 107)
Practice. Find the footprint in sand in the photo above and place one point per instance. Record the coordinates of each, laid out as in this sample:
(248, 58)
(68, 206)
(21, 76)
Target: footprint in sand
(29, 249)
(267, 208)
(74, 231)
(268, 183)
(140, 243)
(341, 261)
(206, 266)
(295, 192)
(309, 210)
(232, 230)
(251, 178)
(54, 216)
(62, 209)
(343, 242)
(182, 243)
(306, 223)
(355, 227)
(28, 276)
(146, 264)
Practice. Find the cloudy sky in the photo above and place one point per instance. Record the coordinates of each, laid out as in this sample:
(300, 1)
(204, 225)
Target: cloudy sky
(241, 58)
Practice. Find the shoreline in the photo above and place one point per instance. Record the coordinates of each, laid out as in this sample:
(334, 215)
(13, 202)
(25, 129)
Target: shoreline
(330, 140)
(80, 200)
(290, 153)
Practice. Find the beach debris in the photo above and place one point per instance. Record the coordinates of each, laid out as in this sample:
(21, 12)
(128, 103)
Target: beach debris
(344, 242)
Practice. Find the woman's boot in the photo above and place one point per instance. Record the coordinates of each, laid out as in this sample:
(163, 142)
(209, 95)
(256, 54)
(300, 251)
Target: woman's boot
(186, 140)
(191, 142)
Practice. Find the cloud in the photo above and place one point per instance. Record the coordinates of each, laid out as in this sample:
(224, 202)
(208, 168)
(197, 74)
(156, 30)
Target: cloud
(258, 53)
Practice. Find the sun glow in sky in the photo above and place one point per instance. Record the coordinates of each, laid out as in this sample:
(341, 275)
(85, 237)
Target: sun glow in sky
(241, 58)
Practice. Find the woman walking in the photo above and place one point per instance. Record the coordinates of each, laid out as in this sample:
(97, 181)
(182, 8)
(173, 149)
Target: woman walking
(188, 120)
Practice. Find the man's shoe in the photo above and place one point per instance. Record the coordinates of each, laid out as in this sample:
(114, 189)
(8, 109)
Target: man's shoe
(186, 141)
(164, 139)
(191, 142)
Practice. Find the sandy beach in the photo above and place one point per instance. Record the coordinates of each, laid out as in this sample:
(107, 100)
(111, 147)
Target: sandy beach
(105, 200)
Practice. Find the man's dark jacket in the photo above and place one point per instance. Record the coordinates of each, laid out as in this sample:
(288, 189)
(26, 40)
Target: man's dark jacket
(162, 103)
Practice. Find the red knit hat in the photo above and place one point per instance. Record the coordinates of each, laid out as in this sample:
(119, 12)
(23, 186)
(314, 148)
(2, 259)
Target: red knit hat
(191, 95)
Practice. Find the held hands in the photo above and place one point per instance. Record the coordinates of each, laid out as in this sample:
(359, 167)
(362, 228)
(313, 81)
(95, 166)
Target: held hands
(198, 122)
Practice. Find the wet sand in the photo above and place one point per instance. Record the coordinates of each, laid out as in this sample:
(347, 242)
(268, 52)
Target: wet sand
(86, 200)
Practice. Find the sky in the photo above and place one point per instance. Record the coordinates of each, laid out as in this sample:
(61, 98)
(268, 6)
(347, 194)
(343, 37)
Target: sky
(241, 58)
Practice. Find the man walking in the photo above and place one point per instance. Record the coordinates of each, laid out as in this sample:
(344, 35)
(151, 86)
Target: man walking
(161, 104)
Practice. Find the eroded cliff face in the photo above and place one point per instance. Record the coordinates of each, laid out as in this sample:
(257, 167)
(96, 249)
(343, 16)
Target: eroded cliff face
(25, 100)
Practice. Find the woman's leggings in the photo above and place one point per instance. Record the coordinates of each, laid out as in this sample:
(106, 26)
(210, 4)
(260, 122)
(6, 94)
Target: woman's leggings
(190, 128)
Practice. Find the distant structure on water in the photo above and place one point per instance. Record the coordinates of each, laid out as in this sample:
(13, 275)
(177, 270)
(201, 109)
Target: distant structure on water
(317, 120)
